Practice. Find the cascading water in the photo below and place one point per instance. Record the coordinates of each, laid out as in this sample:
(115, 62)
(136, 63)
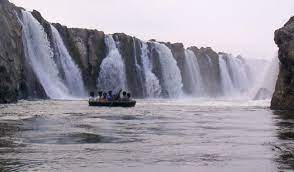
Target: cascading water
(239, 73)
(172, 79)
(152, 85)
(226, 81)
(73, 77)
(138, 72)
(196, 82)
(265, 87)
(40, 57)
(244, 78)
(236, 77)
(112, 74)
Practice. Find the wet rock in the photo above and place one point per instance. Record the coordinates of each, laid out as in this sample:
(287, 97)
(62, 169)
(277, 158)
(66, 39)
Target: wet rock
(130, 50)
(11, 53)
(154, 56)
(283, 97)
(208, 61)
(178, 51)
(87, 47)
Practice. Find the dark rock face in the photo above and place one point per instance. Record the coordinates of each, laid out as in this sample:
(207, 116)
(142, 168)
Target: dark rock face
(178, 51)
(209, 67)
(88, 50)
(154, 56)
(284, 94)
(87, 47)
(130, 50)
(11, 53)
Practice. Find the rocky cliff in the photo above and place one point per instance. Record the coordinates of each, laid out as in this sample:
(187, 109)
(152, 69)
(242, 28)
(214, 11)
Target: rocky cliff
(146, 72)
(283, 98)
(11, 53)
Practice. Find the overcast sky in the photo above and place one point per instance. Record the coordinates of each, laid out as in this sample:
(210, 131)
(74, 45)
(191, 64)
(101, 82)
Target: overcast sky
(243, 27)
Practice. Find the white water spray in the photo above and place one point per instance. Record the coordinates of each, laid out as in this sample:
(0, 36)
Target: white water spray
(265, 86)
(239, 73)
(172, 79)
(112, 74)
(152, 85)
(196, 83)
(40, 57)
(226, 81)
(72, 73)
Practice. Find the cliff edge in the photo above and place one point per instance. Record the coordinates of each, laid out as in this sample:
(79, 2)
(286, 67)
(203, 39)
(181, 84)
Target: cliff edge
(283, 98)
(11, 53)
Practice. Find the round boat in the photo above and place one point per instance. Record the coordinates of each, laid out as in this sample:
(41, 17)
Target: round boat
(113, 103)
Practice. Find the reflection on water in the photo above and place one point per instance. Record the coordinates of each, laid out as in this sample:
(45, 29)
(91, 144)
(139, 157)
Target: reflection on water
(182, 135)
(285, 146)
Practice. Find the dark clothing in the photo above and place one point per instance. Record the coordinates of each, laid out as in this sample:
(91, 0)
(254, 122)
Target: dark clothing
(110, 98)
(117, 97)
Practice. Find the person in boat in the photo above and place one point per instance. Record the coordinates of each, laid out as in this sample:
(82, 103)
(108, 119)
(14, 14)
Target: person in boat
(124, 97)
(92, 97)
(117, 97)
(110, 96)
(103, 98)
(129, 96)
(100, 94)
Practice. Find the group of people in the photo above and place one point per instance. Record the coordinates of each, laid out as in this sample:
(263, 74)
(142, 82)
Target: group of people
(104, 97)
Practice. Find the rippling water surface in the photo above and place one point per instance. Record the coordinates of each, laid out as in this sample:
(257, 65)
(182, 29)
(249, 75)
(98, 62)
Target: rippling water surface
(156, 135)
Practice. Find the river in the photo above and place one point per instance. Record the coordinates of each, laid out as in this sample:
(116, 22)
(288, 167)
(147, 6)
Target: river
(156, 135)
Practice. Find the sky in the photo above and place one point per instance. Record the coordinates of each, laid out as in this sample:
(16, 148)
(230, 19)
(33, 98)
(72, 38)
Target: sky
(240, 27)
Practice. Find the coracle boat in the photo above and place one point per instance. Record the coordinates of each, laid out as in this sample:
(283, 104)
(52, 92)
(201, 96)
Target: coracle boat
(131, 103)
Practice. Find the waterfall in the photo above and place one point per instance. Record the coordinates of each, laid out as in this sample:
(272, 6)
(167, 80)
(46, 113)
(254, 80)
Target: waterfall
(138, 72)
(71, 71)
(40, 56)
(226, 81)
(171, 75)
(112, 74)
(153, 73)
(152, 85)
(247, 78)
(239, 73)
(265, 85)
(196, 81)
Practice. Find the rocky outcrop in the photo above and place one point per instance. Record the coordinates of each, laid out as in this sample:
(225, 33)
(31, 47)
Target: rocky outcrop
(11, 53)
(284, 93)
(88, 50)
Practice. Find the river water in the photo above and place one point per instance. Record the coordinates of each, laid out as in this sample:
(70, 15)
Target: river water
(156, 135)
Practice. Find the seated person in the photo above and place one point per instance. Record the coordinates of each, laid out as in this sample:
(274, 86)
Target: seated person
(117, 96)
(110, 96)
(103, 98)
(99, 96)
(124, 97)
(129, 96)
